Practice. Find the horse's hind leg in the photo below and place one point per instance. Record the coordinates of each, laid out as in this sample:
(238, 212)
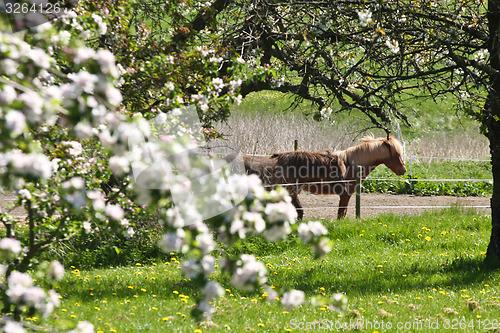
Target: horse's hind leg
(298, 206)
(343, 203)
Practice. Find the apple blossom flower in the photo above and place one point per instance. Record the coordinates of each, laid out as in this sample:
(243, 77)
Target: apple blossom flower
(365, 17)
(56, 270)
(292, 299)
(7, 95)
(10, 248)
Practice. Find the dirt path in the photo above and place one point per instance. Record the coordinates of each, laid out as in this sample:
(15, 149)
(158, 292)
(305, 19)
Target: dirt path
(317, 206)
(325, 206)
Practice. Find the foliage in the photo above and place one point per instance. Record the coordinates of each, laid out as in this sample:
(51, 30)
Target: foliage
(435, 170)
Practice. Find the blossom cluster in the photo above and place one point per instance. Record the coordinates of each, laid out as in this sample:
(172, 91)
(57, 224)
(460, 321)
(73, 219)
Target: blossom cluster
(47, 116)
(20, 290)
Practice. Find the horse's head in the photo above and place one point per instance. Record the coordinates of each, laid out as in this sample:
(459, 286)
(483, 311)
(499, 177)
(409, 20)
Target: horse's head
(394, 161)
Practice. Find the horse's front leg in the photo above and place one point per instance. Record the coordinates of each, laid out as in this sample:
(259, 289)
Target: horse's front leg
(298, 206)
(294, 191)
(343, 203)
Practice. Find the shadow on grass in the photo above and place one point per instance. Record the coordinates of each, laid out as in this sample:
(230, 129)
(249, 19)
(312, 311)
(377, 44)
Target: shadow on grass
(458, 274)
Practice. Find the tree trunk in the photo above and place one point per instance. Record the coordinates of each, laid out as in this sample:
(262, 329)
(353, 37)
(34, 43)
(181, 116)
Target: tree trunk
(493, 126)
(491, 122)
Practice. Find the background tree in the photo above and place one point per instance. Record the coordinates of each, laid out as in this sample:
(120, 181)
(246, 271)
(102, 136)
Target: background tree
(372, 56)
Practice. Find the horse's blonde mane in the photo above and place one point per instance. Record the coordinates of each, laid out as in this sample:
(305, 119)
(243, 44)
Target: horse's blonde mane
(368, 137)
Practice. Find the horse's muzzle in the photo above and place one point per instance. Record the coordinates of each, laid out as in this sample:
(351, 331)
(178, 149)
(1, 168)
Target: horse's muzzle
(401, 171)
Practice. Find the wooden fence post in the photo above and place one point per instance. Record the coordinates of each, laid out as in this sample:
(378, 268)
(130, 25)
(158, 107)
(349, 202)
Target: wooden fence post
(359, 174)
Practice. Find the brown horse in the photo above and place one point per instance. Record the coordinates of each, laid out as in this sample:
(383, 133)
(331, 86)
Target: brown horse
(295, 168)
(369, 154)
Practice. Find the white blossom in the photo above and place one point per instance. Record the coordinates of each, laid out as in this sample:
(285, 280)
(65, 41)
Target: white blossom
(102, 26)
(119, 165)
(7, 94)
(25, 194)
(10, 248)
(172, 241)
(87, 226)
(170, 86)
(39, 57)
(8, 66)
(33, 105)
(56, 270)
(255, 220)
(34, 296)
(277, 232)
(207, 309)
(218, 83)
(84, 81)
(98, 200)
(129, 232)
(212, 290)
(307, 231)
(114, 211)
(322, 247)
(36, 165)
(326, 112)
(191, 268)
(207, 264)
(292, 299)
(365, 17)
(205, 242)
(83, 327)
(75, 147)
(280, 211)
(83, 54)
(113, 95)
(272, 295)
(249, 273)
(106, 60)
(51, 301)
(234, 84)
(13, 327)
(15, 121)
(393, 45)
(482, 56)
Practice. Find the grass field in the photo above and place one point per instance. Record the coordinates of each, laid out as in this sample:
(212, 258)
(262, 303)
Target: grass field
(422, 270)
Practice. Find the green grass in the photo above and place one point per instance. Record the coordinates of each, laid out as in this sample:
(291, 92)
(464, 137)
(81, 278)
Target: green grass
(392, 269)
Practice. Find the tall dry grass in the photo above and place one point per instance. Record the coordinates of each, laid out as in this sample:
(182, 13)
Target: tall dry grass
(267, 133)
